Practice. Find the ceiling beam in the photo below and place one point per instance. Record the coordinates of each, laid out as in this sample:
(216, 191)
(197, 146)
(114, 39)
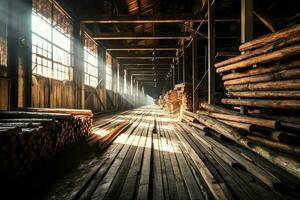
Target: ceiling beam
(146, 62)
(117, 19)
(142, 54)
(141, 36)
(143, 48)
(136, 57)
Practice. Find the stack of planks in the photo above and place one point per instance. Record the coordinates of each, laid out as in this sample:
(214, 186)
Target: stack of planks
(185, 93)
(29, 138)
(267, 74)
(178, 100)
(276, 140)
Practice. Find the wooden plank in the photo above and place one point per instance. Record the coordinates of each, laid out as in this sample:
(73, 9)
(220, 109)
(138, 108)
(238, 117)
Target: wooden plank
(190, 182)
(165, 149)
(144, 182)
(130, 183)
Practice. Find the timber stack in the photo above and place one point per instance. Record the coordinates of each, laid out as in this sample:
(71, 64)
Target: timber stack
(267, 74)
(32, 136)
(277, 139)
(178, 100)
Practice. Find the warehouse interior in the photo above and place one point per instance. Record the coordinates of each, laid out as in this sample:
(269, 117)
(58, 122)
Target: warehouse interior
(150, 99)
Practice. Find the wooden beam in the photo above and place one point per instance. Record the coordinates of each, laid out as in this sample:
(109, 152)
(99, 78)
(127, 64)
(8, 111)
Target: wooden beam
(211, 53)
(113, 19)
(141, 36)
(137, 57)
(142, 54)
(143, 48)
(246, 20)
(145, 62)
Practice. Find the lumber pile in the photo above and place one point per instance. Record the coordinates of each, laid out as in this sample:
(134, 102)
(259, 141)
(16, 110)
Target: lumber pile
(29, 138)
(267, 75)
(277, 139)
(177, 100)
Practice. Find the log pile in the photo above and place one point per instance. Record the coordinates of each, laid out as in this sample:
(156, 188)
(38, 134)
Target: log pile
(29, 138)
(267, 75)
(276, 139)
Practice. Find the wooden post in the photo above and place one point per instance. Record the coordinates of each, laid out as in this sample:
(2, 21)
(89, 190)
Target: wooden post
(173, 76)
(27, 13)
(12, 53)
(211, 53)
(246, 20)
(178, 66)
(183, 62)
(194, 72)
(78, 63)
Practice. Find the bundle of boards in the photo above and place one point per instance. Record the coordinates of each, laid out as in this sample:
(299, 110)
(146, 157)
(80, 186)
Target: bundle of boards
(267, 74)
(32, 136)
(276, 140)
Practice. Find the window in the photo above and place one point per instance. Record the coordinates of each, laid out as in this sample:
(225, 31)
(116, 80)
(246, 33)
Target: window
(108, 71)
(90, 61)
(51, 40)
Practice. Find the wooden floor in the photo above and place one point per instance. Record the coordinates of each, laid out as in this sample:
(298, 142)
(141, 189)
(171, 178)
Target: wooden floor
(157, 157)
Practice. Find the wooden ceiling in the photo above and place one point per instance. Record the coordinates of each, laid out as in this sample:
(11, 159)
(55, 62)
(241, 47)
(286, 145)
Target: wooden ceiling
(153, 32)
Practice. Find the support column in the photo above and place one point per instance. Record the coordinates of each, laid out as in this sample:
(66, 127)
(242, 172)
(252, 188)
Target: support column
(211, 53)
(178, 67)
(78, 63)
(19, 41)
(194, 72)
(173, 76)
(246, 20)
(28, 52)
(183, 62)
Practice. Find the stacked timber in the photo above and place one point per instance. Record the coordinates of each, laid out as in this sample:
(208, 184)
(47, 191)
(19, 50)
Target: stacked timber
(267, 75)
(184, 91)
(276, 139)
(172, 102)
(29, 138)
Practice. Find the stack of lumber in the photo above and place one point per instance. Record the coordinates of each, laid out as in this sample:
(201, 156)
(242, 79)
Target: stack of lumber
(267, 74)
(29, 138)
(172, 102)
(184, 91)
(177, 100)
(276, 140)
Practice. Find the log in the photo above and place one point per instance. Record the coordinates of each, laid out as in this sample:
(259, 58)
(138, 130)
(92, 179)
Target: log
(217, 109)
(269, 38)
(24, 114)
(216, 125)
(275, 145)
(283, 118)
(280, 104)
(284, 74)
(291, 94)
(247, 119)
(262, 70)
(275, 85)
(243, 126)
(263, 50)
(280, 54)
(82, 112)
(188, 118)
(199, 126)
